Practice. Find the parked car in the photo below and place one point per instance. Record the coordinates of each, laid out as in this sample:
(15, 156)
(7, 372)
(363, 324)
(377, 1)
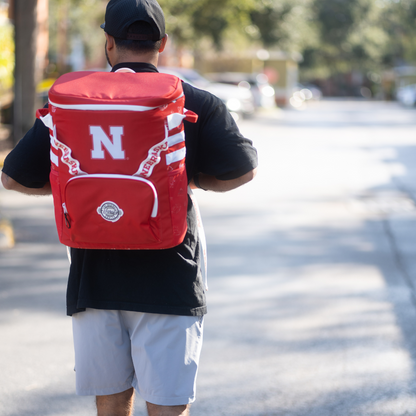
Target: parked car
(314, 90)
(407, 95)
(302, 93)
(239, 101)
(258, 84)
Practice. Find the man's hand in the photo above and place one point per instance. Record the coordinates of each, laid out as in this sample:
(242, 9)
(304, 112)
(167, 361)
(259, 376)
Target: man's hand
(211, 183)
(12, 185)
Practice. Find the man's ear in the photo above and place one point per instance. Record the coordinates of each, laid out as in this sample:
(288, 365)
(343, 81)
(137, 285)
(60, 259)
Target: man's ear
(163, 44)
(110, 41)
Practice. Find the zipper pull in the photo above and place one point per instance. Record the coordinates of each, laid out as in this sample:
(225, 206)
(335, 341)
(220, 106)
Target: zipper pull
(66, 216)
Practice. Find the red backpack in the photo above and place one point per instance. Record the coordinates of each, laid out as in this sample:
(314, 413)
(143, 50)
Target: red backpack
(118, 159)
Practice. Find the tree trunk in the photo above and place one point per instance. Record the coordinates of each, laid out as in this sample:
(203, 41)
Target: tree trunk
(25, 19)
(62, 38)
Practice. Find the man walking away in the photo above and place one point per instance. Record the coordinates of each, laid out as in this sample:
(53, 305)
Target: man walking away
(138, 314)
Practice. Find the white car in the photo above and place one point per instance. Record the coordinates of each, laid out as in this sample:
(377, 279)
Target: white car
(407, 95)
(258, 84)
(239, 101)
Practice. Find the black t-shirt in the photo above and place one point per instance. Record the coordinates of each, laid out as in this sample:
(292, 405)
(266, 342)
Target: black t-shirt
(154, 281)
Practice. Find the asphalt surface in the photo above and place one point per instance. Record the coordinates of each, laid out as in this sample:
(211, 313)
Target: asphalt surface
(312, 276)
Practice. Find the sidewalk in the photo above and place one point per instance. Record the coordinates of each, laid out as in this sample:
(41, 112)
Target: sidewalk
(6, 228)
(311, 308)
(312, 269)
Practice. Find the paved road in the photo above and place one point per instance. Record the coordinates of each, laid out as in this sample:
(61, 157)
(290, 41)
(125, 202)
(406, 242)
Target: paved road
(312, 274)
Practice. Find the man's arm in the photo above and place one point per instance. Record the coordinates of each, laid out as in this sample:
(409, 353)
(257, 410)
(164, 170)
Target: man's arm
(211, 183)
(12, 185)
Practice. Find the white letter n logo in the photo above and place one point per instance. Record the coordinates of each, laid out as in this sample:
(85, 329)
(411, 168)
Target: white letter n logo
(100, 139)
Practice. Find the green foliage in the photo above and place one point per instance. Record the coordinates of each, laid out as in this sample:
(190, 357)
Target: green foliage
(336, 19)
(351, 37)
(268, 18)
(285, 24)
(6, 55)
(189, 21)
(76, 19)
(398, 20)
(332, 35)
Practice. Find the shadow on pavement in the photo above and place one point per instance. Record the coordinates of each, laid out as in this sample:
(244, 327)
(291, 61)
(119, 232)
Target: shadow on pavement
(34, 272)
(314, 320)
(305, 325)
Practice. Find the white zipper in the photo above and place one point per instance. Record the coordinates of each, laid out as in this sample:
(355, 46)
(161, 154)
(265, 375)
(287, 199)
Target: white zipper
(116, 176)
(103, 107)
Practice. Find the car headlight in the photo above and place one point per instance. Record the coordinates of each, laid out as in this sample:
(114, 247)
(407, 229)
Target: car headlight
(307, 93)
(268, 91)
(233, 104)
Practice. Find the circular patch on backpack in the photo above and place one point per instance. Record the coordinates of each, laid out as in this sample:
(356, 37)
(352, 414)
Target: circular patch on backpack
(110, 211)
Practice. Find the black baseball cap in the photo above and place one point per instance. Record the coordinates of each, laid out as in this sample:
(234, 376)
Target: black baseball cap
(120, 14)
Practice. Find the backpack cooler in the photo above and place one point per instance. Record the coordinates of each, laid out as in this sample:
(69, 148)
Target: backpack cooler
(118, 159)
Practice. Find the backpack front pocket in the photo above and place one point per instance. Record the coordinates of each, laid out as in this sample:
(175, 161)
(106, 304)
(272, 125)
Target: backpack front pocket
(112, 210)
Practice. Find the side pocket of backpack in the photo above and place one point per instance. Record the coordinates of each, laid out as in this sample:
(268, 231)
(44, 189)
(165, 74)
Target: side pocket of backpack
(178, 198)
(57, 201)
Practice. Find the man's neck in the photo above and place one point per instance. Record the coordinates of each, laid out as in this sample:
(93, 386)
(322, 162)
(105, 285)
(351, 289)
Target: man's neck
(147, 58)
(134, 66)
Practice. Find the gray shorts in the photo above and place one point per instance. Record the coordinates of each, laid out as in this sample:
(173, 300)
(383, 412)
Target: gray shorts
(156, 354)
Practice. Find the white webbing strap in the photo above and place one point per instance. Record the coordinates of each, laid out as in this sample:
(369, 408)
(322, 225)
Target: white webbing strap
(175, 120)
(73, 164)
(47, 121)
(152, 159)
